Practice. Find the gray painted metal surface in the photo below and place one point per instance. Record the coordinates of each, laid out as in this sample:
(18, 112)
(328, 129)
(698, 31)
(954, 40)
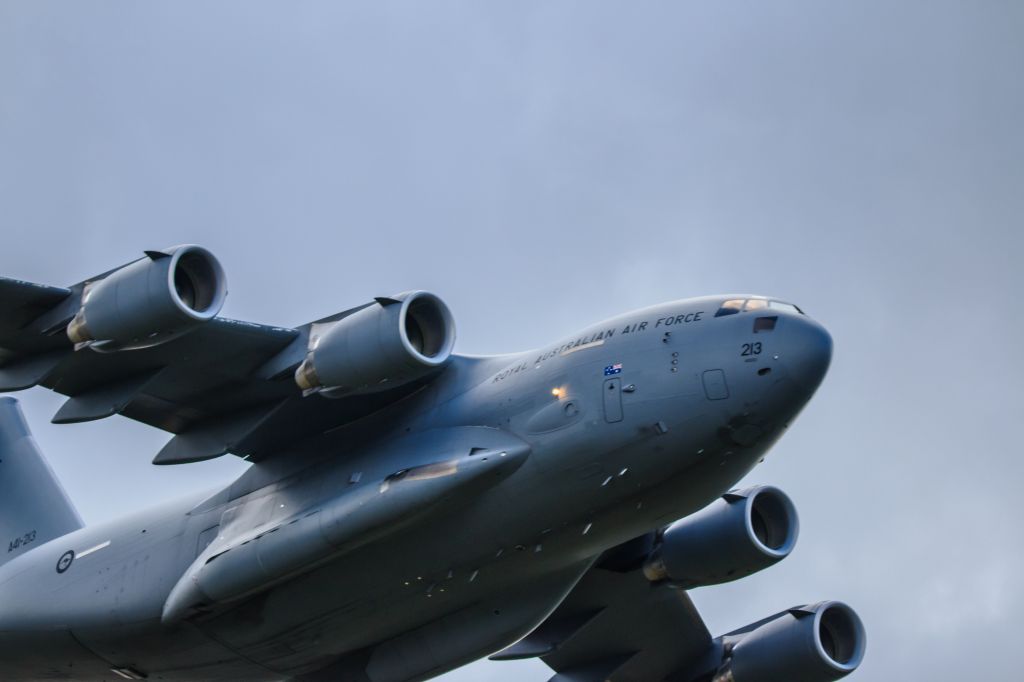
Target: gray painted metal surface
(416, 520)
(35, 507)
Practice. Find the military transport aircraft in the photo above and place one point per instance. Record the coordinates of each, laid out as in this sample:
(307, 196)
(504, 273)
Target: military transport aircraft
(408, 510)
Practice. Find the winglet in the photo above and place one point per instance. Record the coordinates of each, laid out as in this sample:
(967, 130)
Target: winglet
(157, 255)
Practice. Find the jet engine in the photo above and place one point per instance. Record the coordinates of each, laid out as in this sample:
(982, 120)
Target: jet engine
(815, 643)
(392, 342)
(741, 533)
(151, 300)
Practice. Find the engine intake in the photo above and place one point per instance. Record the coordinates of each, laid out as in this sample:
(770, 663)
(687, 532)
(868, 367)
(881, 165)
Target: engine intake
(733, 537)
(816, 643)
(393, 342)
(151, 300)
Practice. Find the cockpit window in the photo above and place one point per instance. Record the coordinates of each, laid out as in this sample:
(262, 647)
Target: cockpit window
(736, 305)
(730, 307)
(788, 307)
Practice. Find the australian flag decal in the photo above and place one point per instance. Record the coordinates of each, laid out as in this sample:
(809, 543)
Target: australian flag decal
(613, 369)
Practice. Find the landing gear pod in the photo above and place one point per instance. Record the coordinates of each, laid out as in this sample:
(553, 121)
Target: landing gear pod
(816, 643)
(150, 301)
(393, 342)
(743, 532)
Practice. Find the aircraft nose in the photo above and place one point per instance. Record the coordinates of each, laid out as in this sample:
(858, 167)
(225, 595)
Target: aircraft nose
(809, 352)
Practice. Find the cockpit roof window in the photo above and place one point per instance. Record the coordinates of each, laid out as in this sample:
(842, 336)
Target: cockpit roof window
(736, 305)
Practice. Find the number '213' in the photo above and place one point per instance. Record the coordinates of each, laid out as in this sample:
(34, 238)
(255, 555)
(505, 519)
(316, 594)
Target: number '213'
(751, 348)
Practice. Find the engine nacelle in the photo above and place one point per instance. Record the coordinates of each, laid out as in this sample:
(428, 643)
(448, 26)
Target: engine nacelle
(815, 643)
(151, 300)
(741, 533)
(393, 342)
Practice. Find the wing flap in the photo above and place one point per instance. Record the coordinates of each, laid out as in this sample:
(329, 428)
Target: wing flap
(214, 437)
(101, 402)
(19, 373)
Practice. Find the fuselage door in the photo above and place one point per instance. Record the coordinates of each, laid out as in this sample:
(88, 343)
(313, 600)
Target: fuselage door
(613, 400)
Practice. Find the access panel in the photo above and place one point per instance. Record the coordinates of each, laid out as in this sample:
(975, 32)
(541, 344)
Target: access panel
(613, 400)
(714, 385)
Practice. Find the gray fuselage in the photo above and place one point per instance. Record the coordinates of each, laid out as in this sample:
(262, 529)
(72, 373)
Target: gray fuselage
(618, 430)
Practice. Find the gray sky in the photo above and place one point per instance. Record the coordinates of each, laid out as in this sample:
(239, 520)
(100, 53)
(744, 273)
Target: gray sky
(542, 165)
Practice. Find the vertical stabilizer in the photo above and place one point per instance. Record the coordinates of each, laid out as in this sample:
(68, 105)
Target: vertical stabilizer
(33, 506)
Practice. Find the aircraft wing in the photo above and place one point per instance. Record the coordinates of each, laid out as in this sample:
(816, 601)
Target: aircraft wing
(617, 626)
(226, 386)
(21, 301)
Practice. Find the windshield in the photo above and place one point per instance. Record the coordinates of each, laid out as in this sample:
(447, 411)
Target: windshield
(746, 305)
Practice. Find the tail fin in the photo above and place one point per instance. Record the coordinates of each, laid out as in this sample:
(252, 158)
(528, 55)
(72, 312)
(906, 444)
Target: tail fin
(33, 506)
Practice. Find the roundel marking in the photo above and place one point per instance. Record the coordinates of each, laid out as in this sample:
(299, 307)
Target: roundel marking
(64, 563)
